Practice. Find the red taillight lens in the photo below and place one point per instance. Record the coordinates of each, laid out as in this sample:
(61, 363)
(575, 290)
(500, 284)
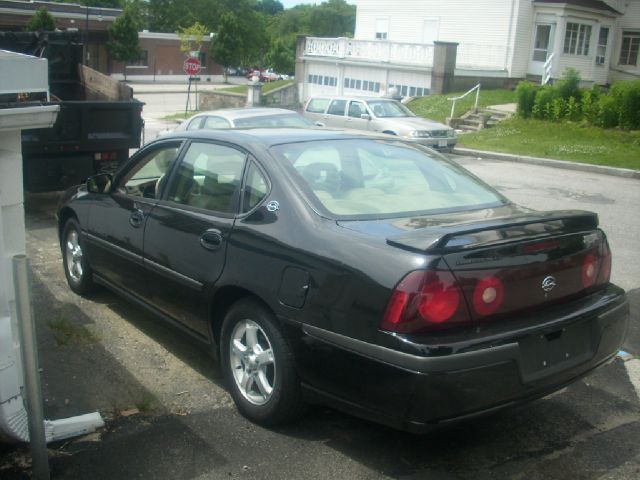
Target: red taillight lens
(589, 270)
(424, 300)
(605, 265)
(488, 295)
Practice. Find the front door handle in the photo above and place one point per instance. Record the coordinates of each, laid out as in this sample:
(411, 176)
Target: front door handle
(136, 218)
(211, 239)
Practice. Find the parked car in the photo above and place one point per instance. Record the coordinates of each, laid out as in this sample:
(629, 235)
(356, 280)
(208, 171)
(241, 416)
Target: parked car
(263, 75)
(379, 114)
(242, 118)
(369, 274)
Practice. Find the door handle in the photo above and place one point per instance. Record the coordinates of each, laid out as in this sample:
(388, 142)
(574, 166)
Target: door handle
(136, 218)
(211, 239)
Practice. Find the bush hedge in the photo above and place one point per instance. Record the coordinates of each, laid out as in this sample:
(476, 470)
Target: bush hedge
(565, 100)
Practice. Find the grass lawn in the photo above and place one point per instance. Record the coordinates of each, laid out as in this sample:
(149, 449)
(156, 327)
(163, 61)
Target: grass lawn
(437, 107)
(561, 141)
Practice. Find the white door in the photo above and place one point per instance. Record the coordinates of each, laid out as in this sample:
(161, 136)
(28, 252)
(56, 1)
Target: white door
(542, 47)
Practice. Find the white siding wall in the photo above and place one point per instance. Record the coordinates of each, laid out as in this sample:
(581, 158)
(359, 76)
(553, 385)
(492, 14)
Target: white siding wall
(522, 38)
(629, 21)
(464, 21)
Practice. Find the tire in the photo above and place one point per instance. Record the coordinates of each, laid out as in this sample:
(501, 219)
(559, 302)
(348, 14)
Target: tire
(76, 268)
(258, 365)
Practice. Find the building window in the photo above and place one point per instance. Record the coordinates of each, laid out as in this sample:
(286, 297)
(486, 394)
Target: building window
(629, 49)
(382, 28)
(141, 61)
(603, 39)
(202, 56)
(577, 38)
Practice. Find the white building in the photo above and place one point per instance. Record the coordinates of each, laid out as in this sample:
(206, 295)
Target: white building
(499, 42)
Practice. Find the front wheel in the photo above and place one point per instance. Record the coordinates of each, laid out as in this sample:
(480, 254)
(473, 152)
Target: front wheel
(76, 268)
(258, 365)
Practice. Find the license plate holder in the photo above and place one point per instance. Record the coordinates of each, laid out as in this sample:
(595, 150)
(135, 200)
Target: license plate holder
(545, 353)
(442, 143)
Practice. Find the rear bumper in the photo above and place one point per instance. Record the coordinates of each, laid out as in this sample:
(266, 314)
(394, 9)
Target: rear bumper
(417, 392)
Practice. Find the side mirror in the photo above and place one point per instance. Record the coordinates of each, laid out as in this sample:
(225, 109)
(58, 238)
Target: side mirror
(365, 116)
(100, 183)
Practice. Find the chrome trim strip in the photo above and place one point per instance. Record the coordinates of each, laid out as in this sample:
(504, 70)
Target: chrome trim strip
(173, 275)
(123, 252)
(460, 361)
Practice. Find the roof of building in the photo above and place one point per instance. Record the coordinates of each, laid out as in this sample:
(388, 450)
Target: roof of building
(593, 4)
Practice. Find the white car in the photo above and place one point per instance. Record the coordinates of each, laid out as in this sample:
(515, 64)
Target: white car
(378, 114)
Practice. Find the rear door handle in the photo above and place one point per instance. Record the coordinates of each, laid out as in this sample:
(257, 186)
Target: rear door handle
(136, 218)
(211, 239)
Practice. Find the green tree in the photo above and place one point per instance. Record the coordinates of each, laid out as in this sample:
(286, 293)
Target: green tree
(269, 7)
(191, 37)
(123, 42)
(281, 56)
(41, 20)
(228, 48)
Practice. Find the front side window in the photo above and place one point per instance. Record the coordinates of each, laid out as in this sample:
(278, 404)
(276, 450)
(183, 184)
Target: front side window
(147, 177)
(208, 178)
(356, 109)
(576, 39)
(361, 178)
(629, 48)
(389, 108)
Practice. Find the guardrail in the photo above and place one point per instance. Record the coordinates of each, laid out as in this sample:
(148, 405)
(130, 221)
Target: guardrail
(455, 99)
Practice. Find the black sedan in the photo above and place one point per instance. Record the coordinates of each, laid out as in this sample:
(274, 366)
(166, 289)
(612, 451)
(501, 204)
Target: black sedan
(369, 274)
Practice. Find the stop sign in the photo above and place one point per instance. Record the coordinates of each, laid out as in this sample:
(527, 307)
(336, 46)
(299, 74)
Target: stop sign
(191, 66)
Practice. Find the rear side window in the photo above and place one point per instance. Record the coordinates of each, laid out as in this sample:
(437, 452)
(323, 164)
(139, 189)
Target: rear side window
(216, 122)
(317, 105)
(255, 188)
(337, 107)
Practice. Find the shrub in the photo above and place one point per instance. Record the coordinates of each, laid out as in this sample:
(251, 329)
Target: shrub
(608, 112)
(569, 85)
(573, 109)
(526, 95)
(543, 100)
(558, 107)
(626, 96)
(590, 104)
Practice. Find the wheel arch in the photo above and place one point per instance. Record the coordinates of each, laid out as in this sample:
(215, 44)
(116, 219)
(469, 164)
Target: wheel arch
(63, 216)
(223, 298)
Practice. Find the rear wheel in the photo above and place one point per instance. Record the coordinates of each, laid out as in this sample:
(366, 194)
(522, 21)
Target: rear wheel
(76, 269)
(258, 365)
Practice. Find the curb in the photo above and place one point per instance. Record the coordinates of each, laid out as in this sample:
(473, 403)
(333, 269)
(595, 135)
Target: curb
(547, 162)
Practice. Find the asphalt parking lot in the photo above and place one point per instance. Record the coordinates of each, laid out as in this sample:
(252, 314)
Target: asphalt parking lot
(169, 416)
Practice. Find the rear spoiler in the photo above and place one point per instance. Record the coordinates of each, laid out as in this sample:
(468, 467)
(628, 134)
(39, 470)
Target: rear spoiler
(462, 236)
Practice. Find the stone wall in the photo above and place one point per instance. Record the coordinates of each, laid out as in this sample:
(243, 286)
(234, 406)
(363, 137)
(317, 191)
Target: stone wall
(283, 97)
(215, 100)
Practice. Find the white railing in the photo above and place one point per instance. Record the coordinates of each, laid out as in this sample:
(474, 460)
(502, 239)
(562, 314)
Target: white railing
(455, 99)
(378, 50)
(547, 69)
(474, 56)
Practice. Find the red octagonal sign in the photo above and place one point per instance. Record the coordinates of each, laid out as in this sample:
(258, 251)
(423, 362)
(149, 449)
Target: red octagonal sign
(191, 66)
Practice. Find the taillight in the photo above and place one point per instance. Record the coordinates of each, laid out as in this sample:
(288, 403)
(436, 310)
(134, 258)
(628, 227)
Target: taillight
(425, 300)
(605, 265)
(488, 295)
(589, 270)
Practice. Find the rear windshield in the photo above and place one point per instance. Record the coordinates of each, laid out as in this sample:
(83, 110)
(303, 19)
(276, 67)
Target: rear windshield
(361, 178)
(388, 108)
(286, 120)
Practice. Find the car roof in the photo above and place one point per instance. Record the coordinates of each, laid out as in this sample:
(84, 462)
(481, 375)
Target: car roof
(273, 136)
(235, 113)
(343, 97)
